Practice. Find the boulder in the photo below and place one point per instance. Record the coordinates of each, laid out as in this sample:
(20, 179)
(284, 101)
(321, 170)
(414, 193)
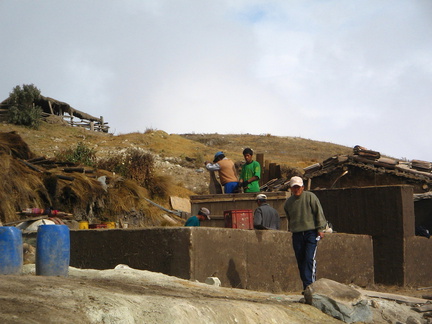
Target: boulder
(339, 301)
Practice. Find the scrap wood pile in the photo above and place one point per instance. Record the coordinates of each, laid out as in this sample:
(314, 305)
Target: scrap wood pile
(363, 156)
(280, 184)
(28, 181)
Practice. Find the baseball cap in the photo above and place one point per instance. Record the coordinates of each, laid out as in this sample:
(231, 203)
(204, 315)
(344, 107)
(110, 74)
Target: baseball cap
(296, 181)
(217, 155)
(261, 197)
(205, 212)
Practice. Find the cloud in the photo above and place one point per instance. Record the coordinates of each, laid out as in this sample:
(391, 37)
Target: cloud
(344, 72)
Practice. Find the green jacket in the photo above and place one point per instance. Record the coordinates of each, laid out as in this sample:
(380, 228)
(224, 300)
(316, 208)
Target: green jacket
(304, 213)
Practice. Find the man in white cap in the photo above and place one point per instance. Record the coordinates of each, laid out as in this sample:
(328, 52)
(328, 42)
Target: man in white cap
(203, 214)
(306, 222)
(265, 216)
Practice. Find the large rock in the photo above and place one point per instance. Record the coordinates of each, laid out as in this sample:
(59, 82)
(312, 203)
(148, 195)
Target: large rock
(339, 301)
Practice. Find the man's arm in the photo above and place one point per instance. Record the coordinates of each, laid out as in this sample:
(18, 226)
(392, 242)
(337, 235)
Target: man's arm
(212, 166)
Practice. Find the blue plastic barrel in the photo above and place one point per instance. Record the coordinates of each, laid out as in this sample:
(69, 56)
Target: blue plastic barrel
(11, 250)
(52, 250)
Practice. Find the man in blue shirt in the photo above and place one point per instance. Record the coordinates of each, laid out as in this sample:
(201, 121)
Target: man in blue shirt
(203, 214)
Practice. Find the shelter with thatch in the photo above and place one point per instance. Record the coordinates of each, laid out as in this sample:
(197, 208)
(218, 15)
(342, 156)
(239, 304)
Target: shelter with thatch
(55, 107)
(368, 168)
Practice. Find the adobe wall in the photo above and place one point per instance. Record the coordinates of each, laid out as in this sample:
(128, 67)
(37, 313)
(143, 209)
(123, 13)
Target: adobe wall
(217, 204)
(385, 213)
(249, 259)
(163, 250)
(418, 261)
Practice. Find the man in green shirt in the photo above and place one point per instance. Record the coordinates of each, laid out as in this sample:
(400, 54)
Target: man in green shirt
(306, 222)
(250, 173)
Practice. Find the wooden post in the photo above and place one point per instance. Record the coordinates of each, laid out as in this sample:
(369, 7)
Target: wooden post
(272, 171)
(50, 107)
(92, 125)
(260, 160)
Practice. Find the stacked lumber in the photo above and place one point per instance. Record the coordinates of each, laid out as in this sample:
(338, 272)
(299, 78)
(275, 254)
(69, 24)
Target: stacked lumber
(313, 168)
(275, 185)
(367, 154)
(334, 160)
(386, 163)
(421, 165)
(331, 161)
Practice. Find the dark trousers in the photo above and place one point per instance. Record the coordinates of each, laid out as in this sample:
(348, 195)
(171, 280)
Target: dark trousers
(305, 246)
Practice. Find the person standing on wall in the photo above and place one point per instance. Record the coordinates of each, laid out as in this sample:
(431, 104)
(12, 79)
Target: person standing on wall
(265, 216)
(306, 222)
(250, 173)
(227, 171)
(203, 214)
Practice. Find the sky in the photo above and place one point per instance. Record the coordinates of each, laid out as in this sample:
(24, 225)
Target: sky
(346, 72)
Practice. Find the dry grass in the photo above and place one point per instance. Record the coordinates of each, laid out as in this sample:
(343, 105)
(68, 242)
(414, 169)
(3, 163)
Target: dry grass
(292, 152)
(124, 194)
(20, 188)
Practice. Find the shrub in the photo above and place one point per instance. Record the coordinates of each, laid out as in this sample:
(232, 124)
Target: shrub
(79, 154)
(22, 109)
(137, 165)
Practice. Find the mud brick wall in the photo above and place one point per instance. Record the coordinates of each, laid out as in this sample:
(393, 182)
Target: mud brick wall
(249, 259)
(386, 213)
(418, 261)
(217, 204)
(163, 250)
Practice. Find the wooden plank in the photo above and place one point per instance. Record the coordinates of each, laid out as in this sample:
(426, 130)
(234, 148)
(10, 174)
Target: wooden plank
(214, 186)
(399, 298)
(25, 220)
(179, 203)
(423, 308)
(31, 166)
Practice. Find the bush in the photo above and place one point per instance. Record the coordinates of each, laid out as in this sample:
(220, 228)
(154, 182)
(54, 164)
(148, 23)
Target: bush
(80, 154)
(22, 109)
(137, 165)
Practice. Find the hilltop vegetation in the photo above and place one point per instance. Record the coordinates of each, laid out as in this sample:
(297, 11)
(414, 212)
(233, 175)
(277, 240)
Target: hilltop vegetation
(163, 165)
(295, 152)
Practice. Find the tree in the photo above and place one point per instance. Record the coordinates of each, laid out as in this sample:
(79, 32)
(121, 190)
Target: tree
(22, 109)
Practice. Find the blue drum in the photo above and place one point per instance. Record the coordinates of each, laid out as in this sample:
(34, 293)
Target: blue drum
(11, 250)
(52, 250)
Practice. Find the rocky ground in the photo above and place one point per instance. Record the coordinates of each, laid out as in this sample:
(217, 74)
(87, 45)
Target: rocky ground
(125, 295)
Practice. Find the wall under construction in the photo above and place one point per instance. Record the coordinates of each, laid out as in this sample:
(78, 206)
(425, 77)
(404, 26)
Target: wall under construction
(249, 259)
(387, 214)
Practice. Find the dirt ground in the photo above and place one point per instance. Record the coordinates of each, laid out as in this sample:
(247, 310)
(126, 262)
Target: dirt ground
(135, 296)
(125, 295)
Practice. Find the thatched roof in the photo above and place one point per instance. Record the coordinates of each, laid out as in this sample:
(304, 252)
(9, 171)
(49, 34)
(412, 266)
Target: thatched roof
(56, 107)
(29, 182)
(408, 172)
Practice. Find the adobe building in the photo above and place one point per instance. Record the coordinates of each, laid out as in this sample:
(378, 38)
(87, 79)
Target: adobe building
(366, 168)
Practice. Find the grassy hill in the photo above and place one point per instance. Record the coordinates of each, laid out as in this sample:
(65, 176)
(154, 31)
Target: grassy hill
(178, 168)
(294, 152)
